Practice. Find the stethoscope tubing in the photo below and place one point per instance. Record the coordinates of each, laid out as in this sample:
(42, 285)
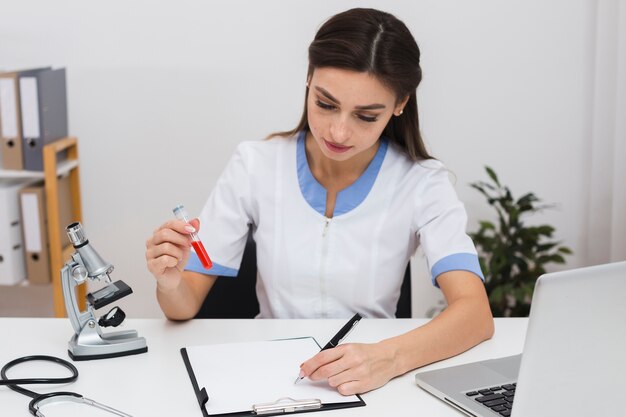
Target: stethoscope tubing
(36, 397)
(12, 383)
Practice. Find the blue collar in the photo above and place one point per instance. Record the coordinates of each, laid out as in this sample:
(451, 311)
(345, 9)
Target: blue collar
(348, 198)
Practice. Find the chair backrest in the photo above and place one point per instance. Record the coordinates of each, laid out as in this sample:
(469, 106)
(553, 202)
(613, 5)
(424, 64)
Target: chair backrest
(403, 309)
(235, 297)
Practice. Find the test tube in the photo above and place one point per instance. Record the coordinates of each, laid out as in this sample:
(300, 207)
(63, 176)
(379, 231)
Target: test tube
(181, 214)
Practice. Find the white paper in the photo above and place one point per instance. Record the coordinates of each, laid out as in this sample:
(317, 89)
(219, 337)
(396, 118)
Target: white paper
(239, 375)
(30, 222)
(30, 107)
(8, 112)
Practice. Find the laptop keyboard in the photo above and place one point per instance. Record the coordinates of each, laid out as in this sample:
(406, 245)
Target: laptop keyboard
(499, 399)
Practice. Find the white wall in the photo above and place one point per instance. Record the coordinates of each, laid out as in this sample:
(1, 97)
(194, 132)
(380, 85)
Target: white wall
(161, 92)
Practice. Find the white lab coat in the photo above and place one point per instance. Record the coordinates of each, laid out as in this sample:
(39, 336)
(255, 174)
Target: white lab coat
(311, 266)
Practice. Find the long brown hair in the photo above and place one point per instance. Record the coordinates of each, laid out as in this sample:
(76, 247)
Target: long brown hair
(376, 42)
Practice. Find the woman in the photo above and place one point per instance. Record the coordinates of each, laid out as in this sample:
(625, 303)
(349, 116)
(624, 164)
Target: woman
(337, 206)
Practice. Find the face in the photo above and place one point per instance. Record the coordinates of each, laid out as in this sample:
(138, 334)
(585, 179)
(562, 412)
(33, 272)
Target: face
(347, 111)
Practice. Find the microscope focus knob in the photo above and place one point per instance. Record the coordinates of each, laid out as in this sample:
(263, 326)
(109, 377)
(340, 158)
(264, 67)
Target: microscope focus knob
(79, 273)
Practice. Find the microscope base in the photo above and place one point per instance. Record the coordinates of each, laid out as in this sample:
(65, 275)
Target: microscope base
(105, 356)
(89, 345)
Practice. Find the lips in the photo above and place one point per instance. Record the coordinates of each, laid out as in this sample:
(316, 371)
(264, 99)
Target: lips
(335, 147)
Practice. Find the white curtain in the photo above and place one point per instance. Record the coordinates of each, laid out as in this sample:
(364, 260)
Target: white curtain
(606, 214)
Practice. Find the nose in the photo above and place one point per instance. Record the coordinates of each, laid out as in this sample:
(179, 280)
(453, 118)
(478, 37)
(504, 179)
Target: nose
(339, 130)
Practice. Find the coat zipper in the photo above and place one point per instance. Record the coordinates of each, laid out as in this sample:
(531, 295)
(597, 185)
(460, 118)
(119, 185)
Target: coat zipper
(323, 266)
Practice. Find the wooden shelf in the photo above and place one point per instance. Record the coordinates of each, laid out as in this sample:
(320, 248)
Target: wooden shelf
(62, 169)
(60, 251)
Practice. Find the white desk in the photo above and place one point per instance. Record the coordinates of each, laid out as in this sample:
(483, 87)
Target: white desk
(156, 383)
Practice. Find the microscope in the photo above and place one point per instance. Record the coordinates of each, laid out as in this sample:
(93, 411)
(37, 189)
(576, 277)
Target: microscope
(89, 341)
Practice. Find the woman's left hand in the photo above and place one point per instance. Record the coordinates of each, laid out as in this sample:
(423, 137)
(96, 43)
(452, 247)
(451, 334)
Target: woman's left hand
(353, 368)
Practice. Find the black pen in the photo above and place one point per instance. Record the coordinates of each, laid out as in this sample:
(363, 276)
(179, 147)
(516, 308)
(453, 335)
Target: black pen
(341, 334)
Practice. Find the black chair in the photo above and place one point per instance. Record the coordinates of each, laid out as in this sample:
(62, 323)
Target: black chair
(403, 308)
(235, 297)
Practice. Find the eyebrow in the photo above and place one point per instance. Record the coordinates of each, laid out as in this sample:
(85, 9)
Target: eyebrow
(329, 96)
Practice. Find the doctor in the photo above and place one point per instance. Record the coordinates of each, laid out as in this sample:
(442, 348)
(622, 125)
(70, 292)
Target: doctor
(337, 207)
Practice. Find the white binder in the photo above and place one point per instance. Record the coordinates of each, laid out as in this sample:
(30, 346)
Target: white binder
(35, 226)
(35, 234)
(12, 266)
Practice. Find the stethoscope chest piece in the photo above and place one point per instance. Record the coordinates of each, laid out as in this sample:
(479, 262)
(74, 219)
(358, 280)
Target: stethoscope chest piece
(37, 403)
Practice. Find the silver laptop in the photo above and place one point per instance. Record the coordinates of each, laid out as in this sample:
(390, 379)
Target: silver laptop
(574, 358)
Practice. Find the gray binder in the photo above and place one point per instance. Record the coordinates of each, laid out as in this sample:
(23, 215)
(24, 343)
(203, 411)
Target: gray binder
(43, 102)
(11, 119)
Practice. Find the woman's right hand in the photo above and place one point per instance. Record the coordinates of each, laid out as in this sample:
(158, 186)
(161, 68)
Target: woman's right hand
(167, 251)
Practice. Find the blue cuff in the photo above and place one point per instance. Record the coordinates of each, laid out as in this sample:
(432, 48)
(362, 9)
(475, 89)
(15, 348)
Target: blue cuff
(194, 264)
(457, 262)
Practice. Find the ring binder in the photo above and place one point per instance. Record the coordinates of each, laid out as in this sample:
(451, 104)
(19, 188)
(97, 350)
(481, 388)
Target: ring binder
(286, 405)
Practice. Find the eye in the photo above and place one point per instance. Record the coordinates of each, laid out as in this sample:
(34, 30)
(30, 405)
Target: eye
(324, 106)
(369, 119)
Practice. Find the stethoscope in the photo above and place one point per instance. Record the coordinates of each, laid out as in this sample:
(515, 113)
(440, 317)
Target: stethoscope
(40, 400)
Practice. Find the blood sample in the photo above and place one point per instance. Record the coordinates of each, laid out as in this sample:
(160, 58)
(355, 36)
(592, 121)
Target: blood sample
(181, 214)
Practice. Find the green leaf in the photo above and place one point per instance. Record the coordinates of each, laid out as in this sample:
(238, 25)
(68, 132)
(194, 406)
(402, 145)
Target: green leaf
(480, 187)
(508, 196)
(492, 174)
(544, 259)
(557, 258)
(545, 247)
(526, 201)
(545, 230)
(486, 225)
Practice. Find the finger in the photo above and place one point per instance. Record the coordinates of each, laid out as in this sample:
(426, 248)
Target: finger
(351, 388)
(170, 236)
(179, 226)
(329, 370)
(349, 374)
(157, 266)
(167, 249)
(323, 358)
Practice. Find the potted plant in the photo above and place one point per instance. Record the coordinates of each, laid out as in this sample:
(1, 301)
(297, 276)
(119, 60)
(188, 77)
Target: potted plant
(512, 254)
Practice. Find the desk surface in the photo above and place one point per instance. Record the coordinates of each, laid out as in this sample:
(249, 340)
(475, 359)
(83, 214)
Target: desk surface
(156, 383)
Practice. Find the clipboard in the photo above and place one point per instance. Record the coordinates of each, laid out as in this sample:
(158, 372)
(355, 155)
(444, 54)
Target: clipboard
(257, 379)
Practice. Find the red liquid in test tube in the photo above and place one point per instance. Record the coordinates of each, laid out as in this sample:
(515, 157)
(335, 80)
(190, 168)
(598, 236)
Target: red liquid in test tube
(181, 214)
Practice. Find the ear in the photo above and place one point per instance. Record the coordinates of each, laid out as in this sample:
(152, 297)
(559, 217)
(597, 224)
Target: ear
(397, 111)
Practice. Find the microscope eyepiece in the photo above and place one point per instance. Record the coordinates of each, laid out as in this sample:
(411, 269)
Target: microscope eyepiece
(96, 266)
(76, 234)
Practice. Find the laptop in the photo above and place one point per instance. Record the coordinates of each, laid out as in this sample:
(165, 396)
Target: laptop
(574, 357)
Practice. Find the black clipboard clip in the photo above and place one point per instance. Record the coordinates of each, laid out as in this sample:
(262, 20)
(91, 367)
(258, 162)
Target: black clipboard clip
(286, 405)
